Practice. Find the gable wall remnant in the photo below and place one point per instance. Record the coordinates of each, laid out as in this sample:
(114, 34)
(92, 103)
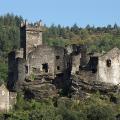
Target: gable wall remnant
(109, 72)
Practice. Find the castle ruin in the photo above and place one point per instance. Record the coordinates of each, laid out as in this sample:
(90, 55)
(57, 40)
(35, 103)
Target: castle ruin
(35, 65)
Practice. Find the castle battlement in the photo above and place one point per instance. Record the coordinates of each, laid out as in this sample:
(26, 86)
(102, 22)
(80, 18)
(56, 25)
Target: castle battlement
(37, 26)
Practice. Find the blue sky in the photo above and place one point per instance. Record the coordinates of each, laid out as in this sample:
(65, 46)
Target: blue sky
(65, 12)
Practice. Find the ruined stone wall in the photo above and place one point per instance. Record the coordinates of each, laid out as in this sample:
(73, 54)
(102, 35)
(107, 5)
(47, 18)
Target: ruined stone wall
(84, 58)
(15, 72)
(23, 39)
(74, 50)
(54, 57)
(109, 74)
(7, 99)
(11, 69)
(4, 99)
(75, 63)
(19, 73)
(61, 62)
(11, 61)
(33, 39)
(30, 37)
(36, 59)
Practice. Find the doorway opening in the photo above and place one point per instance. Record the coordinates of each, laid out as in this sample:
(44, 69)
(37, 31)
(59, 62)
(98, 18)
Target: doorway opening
(45, 67)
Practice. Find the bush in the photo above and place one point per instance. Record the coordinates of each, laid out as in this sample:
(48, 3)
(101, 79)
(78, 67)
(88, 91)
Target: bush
(100, 113)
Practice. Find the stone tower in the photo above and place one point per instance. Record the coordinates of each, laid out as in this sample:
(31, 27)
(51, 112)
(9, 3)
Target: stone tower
(30, 36)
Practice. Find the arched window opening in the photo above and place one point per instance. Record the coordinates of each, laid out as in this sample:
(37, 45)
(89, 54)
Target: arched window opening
(108, 63)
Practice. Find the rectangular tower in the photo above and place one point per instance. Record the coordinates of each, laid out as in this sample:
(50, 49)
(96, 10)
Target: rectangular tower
(30, 36)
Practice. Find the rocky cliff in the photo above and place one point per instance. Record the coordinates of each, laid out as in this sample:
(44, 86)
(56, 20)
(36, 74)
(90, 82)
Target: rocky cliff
(84, 84)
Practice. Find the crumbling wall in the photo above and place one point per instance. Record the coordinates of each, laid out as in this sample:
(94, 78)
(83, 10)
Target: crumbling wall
(109, 74)
(75, 63)
(16, 68)
(31, 36)
(61, 60)
(19, 74)
(4, 99)
(53, 57)
(11, 69)
(40, 56)
(7, 99)
(109, 67)
(33, 39)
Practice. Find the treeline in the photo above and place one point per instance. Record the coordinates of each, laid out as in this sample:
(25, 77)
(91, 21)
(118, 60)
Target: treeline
(9, 32)
(97, 39)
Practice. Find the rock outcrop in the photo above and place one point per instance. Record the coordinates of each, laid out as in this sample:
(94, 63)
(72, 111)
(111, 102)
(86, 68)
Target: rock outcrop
(42, 87)
(84, 84)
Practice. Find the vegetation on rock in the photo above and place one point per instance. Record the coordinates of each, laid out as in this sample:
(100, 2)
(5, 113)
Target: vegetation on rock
(92, 108)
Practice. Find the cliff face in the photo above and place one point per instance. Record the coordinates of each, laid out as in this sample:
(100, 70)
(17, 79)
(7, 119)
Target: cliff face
(78, 86)
(43, 87)
(84, 84)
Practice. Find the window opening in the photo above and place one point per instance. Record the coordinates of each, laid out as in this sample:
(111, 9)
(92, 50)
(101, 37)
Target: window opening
(108, 63)
(58, 67)
(45, 67)
(57, 57)
(26, 69)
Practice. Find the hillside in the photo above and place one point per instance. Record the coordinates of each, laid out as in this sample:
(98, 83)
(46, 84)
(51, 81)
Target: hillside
(105, 106)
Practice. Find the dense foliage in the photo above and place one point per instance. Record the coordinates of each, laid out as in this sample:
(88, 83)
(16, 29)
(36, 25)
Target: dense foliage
(9, 40)
(94, 108)
(98, 39)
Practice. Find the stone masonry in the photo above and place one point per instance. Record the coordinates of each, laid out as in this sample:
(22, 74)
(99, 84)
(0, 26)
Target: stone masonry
(7, 99)
(40, 70)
